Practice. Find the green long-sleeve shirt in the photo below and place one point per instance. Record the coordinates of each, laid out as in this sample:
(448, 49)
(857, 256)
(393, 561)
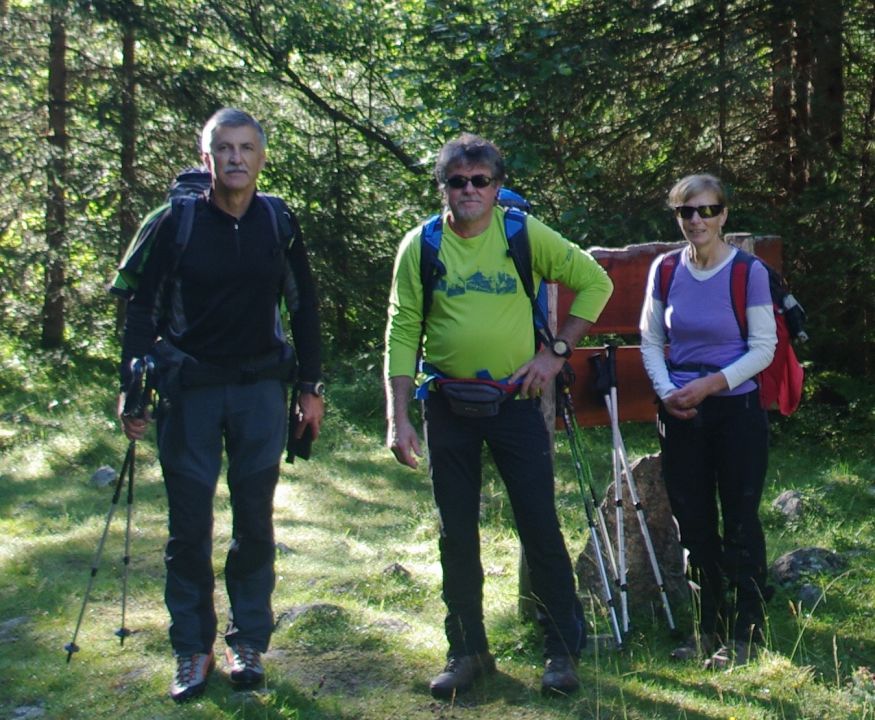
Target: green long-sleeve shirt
(481, 318)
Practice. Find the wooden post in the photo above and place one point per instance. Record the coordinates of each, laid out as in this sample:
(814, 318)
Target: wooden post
(527, 608)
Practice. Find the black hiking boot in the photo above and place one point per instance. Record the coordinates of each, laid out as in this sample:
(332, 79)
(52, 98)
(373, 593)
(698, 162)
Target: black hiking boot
(460, 673)
(560, 676)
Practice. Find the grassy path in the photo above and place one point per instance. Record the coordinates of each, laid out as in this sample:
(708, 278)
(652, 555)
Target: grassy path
(359, 616)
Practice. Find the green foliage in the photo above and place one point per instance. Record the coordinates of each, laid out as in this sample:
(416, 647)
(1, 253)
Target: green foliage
(598, 106)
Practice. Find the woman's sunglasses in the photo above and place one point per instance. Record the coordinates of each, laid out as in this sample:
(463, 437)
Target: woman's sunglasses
(705, 211)
(457, 182)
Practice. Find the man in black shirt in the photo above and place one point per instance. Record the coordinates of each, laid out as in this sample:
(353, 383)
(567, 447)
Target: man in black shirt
(208, 312)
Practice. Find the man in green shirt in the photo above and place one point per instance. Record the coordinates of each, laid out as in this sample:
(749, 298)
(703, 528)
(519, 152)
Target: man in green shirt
(479, 326)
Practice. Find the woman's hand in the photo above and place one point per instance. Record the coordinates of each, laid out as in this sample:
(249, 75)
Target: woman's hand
(682, 403)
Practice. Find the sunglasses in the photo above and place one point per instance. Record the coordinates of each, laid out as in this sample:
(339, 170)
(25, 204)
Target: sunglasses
(457, 182)
(705, 211)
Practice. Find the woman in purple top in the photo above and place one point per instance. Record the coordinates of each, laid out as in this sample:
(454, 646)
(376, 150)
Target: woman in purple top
(712, 431)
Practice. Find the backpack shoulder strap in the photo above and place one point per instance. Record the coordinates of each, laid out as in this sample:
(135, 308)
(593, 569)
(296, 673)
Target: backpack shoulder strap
(285, 225)
(182, 209)
(519, 249)
(285, 231)
(431, 269)
(668, 266)
(739, 275)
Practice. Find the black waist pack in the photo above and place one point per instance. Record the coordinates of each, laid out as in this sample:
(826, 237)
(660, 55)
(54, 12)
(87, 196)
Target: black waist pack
(474, 398)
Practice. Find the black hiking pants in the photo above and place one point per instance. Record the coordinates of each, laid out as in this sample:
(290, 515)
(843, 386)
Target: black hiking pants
(722, 454)
(249, 420)
(518, 441)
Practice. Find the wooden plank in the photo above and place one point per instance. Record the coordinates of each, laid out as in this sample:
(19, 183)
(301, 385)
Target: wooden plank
(628, 268)
(635, 395)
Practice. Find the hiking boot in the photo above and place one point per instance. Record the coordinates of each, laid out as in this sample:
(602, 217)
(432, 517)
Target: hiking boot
(192, 672)
(460, 673)
(732, 654)
(560, 676)
(244, 663)
(694, 647)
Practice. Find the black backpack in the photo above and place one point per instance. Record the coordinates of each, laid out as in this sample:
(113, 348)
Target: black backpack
(182, 196)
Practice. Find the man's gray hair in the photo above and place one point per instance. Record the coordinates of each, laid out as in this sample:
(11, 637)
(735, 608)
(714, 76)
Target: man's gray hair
(229, 117)
(468, 149)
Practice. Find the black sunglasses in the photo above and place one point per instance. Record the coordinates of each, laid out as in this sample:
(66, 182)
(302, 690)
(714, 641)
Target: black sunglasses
(705, 211)
(457, 182)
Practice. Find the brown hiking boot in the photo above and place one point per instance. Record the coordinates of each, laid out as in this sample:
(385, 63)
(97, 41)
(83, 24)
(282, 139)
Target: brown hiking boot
(192, 672)
(560, 676)
(244, 664)
(460, 673)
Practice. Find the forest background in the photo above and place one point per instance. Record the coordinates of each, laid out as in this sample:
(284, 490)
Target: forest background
(599, 107)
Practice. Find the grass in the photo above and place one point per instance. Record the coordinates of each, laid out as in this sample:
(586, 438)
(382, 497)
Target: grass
(359, 615)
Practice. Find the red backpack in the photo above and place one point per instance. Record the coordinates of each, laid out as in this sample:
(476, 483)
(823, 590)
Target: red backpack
(781, 382)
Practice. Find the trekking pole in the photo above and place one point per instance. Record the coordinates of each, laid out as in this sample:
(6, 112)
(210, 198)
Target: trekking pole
(136, 401)
(72, 647)
(123, 631)
(602, 383)
(620, 451)
(583, 473)
(137, 408)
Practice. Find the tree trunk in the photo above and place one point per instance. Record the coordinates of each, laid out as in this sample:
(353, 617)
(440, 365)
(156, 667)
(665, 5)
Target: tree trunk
(827, 98)
(782, 94)
(723, 91)
(56, 217)
(128, 133)
(802, 70)
(340, 258)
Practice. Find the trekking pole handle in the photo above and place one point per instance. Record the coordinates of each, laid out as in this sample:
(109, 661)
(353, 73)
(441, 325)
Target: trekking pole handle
(138, 395)
(611, 351)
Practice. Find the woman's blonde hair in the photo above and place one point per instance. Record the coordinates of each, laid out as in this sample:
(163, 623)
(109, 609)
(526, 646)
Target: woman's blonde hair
(692, 185)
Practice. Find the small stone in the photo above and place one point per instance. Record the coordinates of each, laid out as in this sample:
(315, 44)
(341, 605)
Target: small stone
(8, 628)
(397, 570)
(789, 503)
(793, 566)
(809, 595)
(103, 476)
(28, 712)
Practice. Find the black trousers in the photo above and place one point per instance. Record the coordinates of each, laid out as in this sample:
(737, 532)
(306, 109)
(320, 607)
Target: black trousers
(249, 421)
(519, 443)
(721, 454)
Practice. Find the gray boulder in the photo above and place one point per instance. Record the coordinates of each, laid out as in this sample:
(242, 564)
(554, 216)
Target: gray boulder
(789, 504)
(797, 565)
(642, 591)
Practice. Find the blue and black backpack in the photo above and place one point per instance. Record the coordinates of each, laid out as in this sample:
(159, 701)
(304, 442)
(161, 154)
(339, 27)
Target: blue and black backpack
(516, 209)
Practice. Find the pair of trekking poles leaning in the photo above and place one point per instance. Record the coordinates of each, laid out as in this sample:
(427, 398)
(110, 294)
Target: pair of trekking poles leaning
(610, 553)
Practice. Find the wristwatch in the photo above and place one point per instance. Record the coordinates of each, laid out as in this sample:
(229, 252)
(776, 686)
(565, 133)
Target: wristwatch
(561, 348)
(312, 388)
